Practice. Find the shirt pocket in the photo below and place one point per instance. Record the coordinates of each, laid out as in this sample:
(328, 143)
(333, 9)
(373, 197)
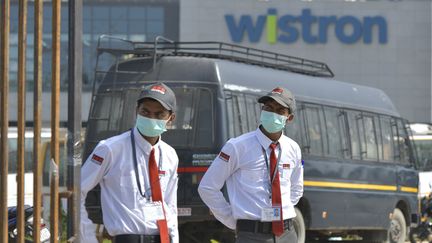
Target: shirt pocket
(285, 170)
(129, 193)
(254, 179)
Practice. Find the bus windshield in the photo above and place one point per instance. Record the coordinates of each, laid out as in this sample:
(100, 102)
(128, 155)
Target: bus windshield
(113, 112)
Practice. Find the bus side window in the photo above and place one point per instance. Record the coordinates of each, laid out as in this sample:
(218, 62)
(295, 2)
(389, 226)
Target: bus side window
(370, 138)
(334, 132)
(229, 99)
(236, 106)
(354, 134)
(204, 135)
(402, 141)
(387, 139)
(314, 129)
(342, 120)
(253, 111)
(293, 130)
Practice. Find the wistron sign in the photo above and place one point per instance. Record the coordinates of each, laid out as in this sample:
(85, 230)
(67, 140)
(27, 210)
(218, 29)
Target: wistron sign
(312, 29)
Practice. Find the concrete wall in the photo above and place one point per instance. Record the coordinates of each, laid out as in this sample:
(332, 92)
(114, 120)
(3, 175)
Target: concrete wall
(401, 67)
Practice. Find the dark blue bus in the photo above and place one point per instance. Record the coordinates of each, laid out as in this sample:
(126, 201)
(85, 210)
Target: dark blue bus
(360, 167)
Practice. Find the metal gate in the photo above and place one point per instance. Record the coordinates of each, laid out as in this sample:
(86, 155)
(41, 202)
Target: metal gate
(74, 118)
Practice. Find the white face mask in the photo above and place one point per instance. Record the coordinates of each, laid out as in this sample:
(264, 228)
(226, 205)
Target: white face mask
(272, 122)
(150, 127)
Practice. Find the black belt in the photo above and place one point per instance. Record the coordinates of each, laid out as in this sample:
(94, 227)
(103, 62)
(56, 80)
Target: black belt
(137, 239)
(256, 226)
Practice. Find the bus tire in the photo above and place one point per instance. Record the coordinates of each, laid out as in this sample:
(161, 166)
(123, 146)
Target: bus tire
(398, 230)
(299, 226)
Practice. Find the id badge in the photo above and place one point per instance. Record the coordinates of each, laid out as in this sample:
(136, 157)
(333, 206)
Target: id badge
(271, 214)
(153, 211)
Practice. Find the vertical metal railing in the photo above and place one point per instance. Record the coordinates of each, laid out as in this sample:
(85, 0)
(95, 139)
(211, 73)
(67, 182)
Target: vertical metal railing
(55, 112)
(22, 42)
(74, 117)
(37, 119)
(4, 90)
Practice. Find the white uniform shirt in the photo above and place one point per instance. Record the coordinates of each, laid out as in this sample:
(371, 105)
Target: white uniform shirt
(241, 163)
(111, 165)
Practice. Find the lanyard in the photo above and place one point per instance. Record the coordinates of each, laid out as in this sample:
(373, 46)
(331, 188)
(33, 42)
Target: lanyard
(272, 177)
(136, 167)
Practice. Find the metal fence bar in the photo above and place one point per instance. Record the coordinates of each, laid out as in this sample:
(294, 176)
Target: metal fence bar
(22, 43)
(37, 119)
(55, 114)
(4, 78)
(74, 118)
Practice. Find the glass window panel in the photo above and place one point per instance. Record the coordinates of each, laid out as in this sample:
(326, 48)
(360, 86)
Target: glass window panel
(371, 143)
(293, 129)
(314, 130)
(230, 114)
(136, 12)
(403, 141)
(354, 134)
(241, 103)
(387, 139)
(87, 12)
(100, 27)
(333, 132)
(119, 12)
(155, 13)
(155, 27)
(344, 134)
(204, 121)
(118, 26)
(252, 115)
(379, 137)
(101, 12)
(137, 26)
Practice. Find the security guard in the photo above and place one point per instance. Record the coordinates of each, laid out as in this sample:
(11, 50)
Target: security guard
(264, 176)
(137, 173)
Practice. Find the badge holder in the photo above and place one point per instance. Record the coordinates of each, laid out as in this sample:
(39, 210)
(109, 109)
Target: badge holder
(271, 214)
(153, 211)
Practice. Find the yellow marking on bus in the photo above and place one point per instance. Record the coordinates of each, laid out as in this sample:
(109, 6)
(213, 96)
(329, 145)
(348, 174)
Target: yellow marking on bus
(408, 189)
(350, 185)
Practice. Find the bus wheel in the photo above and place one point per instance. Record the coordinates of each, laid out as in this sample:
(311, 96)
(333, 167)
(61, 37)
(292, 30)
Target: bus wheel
(299, 226)
(398, 229)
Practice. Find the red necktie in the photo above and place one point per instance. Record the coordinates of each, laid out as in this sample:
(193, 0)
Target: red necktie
(277, 226)
(157, 196)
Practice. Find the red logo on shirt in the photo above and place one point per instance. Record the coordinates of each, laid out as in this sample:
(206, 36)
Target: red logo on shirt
(158, 88)
(277, 90)
(286, 166)
(223, 156)
(97, 159)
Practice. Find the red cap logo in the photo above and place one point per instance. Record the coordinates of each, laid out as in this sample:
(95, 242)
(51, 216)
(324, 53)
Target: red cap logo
(158, 88)
(277, 90)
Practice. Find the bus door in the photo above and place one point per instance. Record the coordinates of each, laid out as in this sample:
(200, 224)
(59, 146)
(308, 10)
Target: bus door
(407, 176)
(193, 136)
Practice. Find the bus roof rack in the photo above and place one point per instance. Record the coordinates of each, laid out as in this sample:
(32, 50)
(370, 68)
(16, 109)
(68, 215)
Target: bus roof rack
(219, 50)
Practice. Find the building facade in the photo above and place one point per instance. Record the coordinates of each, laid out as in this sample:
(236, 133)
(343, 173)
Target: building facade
(380, 43)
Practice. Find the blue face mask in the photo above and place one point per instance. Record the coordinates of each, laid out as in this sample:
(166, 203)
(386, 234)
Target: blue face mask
(150, 127)
(272, 122)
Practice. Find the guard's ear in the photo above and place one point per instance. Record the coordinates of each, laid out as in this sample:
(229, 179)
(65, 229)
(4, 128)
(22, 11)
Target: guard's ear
(290, 118)
(172, 117)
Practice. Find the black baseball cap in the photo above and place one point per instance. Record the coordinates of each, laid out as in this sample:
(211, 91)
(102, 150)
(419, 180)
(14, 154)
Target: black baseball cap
(282, 96)
(161, 93)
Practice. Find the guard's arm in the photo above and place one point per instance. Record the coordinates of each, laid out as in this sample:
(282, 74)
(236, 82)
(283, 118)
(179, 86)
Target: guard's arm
(171, 202)
(297, 179)
(212, 182)
(92, 173)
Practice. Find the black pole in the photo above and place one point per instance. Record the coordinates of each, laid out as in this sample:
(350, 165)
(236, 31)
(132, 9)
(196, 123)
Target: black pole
(74, 118)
